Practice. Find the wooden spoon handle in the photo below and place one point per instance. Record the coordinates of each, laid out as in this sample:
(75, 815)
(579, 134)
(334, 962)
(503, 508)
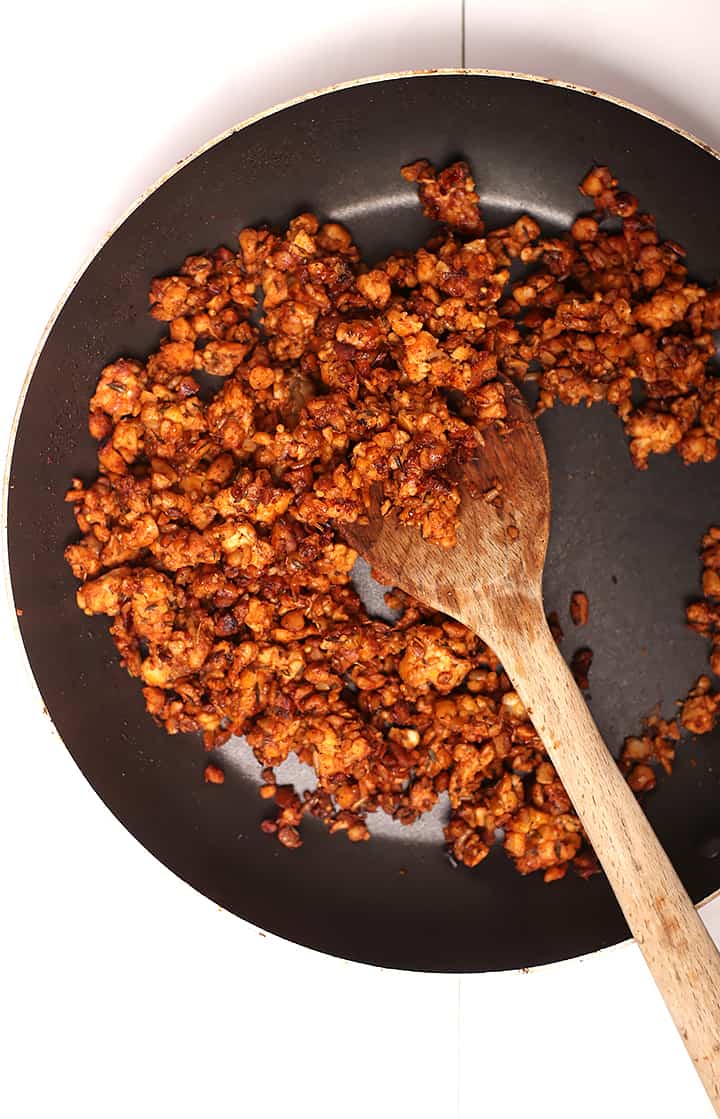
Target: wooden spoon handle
(684, 962)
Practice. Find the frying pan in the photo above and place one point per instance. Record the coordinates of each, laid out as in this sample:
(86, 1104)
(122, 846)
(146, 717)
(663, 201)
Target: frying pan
(628, 539)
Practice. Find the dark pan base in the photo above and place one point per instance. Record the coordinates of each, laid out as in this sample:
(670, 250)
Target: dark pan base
(628, 539)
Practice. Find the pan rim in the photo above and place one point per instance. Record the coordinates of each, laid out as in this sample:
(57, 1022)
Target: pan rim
(150, 190)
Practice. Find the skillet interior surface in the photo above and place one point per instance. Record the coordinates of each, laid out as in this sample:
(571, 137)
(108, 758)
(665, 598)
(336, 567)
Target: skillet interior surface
(629, 539)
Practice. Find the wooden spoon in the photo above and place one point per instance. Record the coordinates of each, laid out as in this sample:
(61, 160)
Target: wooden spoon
(492, 583)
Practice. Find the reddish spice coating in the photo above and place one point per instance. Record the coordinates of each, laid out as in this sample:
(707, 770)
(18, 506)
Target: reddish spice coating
(605, 311)
(555, 627)
(704, 616)
(579, 608)
(701, 709)
(655, 746)
(212, 534)
(580, 667)
(214, 775)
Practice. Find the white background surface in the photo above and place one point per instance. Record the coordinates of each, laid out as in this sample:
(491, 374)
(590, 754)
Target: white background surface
(124, 993)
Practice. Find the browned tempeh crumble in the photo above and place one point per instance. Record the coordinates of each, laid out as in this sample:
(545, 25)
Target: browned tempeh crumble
(212, 535)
